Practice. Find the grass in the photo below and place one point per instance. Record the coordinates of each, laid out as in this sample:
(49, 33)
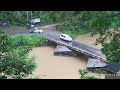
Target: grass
(23, 44)
(73, 34)
(99, 70)
(88, 77)
(84, 73)
(71, 30)
(28, 40)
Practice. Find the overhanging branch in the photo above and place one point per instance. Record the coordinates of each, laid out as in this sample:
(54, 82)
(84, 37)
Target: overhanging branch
(113, 15)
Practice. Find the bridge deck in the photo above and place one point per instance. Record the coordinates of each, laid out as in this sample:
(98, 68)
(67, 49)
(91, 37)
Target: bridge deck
(75, 45)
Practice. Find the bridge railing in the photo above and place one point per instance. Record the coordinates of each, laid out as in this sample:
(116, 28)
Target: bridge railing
(78, 49)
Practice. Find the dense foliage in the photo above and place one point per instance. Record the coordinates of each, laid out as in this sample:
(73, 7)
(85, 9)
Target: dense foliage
(112, 48)
(16, 65)
(14, 61)
(28, 40)
(84, 73)
(5, 44)
(15, 18)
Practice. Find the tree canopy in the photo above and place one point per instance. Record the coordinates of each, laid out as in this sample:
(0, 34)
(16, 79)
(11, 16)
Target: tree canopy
(14, 64)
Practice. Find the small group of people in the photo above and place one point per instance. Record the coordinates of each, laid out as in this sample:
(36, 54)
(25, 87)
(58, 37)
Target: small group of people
(32, 26)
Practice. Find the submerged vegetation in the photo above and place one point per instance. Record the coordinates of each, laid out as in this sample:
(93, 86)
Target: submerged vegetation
(98, 70)
(84, 73)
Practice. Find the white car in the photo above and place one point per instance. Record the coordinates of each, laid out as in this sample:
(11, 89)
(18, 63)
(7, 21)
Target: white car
(65, 37)
(36, 30)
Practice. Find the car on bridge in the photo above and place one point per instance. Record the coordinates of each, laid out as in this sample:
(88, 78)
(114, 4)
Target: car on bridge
(65, 37)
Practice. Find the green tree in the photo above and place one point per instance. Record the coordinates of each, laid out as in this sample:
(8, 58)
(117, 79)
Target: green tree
(112, 48)
(14, 64)
(14, 17)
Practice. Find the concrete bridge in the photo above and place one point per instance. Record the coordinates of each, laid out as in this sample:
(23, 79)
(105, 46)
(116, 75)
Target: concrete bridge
(80, 47)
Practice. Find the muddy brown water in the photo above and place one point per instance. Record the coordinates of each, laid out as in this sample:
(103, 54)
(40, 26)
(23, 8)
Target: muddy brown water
(59, 67)
(86, 38)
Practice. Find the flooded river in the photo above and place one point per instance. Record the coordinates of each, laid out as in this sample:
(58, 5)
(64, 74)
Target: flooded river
(59, 67)
(86, 38)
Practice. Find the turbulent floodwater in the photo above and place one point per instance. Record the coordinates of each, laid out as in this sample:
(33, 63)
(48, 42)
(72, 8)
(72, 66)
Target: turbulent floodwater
(59, 67)
(50, 66)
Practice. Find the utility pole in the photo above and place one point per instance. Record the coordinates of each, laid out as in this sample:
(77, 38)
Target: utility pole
(31, 14)
(27, 14)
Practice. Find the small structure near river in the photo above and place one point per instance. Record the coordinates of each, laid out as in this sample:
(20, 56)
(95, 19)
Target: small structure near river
(95, 63)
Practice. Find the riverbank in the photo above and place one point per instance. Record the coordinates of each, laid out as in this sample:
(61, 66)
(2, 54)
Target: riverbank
(60, 67)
